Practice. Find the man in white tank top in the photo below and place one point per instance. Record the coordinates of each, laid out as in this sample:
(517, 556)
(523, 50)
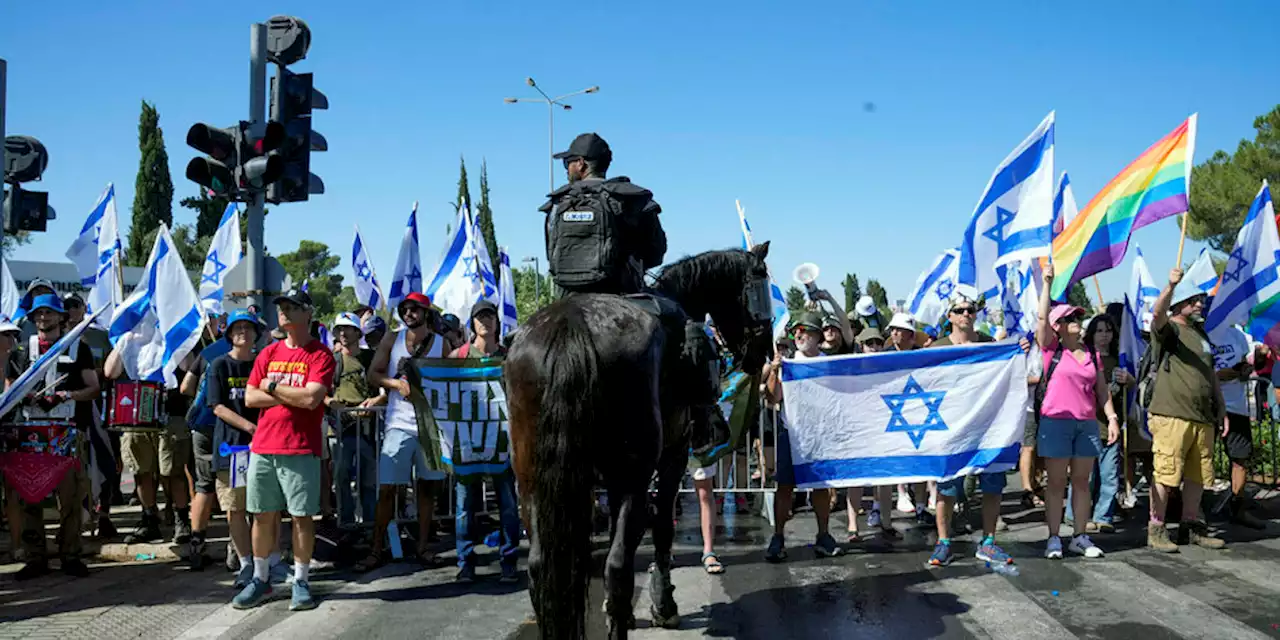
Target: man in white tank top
(401, 455)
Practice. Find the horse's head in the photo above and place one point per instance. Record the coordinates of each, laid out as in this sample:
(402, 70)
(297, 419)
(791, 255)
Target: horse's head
(733, 287)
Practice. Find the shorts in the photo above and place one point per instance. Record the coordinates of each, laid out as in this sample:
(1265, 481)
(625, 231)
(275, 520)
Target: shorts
(400, 457)
(987, 483)
(165, 452)
(230, 498)
(783, 472)
(284, 483)
(1068, 438)
(1239, 439)
(202, 444)
(1029, 430)
(1183, 450)
(705, 473)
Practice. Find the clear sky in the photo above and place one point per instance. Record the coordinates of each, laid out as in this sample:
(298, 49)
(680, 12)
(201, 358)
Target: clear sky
(702, 103)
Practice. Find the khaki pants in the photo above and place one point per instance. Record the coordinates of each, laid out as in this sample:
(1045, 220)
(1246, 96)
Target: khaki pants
(70, 493)
(1183, 450)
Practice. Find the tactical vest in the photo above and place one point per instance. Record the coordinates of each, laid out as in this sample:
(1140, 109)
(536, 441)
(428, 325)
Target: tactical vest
(588, 229)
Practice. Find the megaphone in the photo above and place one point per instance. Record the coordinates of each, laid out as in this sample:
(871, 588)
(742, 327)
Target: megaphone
(807, 275)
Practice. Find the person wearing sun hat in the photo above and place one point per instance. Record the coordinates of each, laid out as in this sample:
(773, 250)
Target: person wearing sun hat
(356, 428)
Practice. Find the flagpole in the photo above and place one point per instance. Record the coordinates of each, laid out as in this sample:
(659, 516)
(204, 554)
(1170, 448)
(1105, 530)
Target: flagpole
(1182, 239)
(1098, 286)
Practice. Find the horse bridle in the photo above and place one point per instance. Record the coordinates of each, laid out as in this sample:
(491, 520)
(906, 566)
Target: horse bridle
(759, 309)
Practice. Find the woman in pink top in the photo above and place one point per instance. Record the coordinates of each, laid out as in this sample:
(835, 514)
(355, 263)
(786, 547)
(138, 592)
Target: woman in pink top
(1072, 389)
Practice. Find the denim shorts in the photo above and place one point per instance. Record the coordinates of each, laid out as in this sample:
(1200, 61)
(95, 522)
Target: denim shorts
(987, 483)
(1068, 438)
(400, 456)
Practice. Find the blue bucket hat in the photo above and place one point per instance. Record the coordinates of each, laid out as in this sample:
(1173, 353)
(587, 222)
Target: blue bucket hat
(243, 315)
(48, 301)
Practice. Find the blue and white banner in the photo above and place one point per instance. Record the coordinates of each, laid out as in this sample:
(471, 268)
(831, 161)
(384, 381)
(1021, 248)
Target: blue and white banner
(508, 317)
(83, 252)
(366, 284)
(26, 383)
(224, 254)
(1014, 217)
(1250, 276)
(1020, 297)
(1064, 205)
(1143, 289)
(96, 253)
(935, 286)
(162, 319)
(407, 277)
(1202, 274)
(463, 277)
(1132, 346)
(907, 416)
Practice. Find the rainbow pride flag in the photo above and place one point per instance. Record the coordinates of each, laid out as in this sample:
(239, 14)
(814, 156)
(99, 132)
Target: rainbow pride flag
(1152, 187)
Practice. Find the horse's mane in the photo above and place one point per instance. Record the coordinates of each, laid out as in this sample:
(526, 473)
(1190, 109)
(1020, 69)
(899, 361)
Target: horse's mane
(713, 270)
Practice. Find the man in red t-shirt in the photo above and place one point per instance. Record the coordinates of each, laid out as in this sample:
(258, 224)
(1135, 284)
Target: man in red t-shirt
(288, 384)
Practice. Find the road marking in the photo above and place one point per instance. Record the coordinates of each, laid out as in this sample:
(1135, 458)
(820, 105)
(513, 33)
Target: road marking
(999, 608)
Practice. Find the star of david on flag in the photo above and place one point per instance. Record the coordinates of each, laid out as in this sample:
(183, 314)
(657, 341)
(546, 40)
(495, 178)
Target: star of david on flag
(1251, 277)
(224, 254)
(366, 285)
(928, 300)
(913, 392)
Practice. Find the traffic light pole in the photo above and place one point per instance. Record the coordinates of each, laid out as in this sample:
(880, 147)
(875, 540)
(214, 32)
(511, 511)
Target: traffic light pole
(257, 114)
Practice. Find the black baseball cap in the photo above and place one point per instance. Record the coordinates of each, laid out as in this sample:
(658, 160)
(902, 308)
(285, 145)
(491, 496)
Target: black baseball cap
(296, 296)
(587, 145)
(483, 306)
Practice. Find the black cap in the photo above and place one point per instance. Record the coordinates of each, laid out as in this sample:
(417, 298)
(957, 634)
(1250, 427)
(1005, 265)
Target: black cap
(587, 145)
(482, 306)
(72, 296)
(295, 296)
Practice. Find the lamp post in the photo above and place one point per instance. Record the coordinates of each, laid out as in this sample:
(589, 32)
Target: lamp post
(551, 103)
(537, 279)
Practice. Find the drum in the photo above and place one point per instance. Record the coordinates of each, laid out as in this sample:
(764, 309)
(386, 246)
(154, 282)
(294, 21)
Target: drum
(137, 406)
(54, 437)
(35, 455)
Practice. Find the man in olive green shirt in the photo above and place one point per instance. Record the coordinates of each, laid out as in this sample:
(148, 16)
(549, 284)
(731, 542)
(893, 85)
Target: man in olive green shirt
(1186, 408)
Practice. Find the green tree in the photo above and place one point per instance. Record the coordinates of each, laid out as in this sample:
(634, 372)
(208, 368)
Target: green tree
(851, 291)
(1078, 296)
(1223, 187)
(13, 241)
(485, 220)
(795, 300)
(191, 249)
(464, 189)
(153, 189)
(312, 264)
(533, 291)
(880, 297)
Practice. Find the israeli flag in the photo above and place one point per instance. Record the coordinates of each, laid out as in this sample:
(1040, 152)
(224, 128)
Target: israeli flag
(224, 254)
(9, 297)
(84, 251)
(1143, 290)
(1014, 218)
(1132, 346)
(463, 277)
(408, 273)
(36, 373)
(1250, 276)
(905, 416)
(366, 285)
(162, 319)
(1064, 205)
(1020, 298)
(932, 294)
(507, 315)
(481, 255)
(1202, 274)
(778, 302)
(108, 289)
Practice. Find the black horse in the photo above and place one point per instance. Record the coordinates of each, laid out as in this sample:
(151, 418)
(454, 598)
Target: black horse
(587, 401)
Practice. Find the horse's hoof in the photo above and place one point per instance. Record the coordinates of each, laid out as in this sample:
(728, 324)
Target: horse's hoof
(666, 622)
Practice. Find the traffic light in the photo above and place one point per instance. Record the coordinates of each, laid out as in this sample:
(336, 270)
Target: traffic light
(25, 160)
(293, 98)
(239, 159)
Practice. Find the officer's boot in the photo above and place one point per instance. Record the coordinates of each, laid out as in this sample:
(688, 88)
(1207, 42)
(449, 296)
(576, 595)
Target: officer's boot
(707, 426)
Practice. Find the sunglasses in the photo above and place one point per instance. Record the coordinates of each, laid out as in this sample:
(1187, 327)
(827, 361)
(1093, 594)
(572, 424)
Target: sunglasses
(964, 311)
(569, 161)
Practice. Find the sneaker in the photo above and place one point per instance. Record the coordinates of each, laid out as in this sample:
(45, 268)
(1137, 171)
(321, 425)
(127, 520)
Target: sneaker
(825, 546)
(942, 555)
(1105, 527)
(244, 576)
(302, 600)
(466, 574)
(510, 575)
(1082, 545)
(279, 573)
(904, 503)
(1197, 533)
(1158, 538)
(1053, 549)
(777, 550)
(873, 518)
(253, 594)
(1001, 525)
(1130, 500)
(991, 552)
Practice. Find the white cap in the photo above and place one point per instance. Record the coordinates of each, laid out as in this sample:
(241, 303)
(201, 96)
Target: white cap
(865, 306)
(6, 326)
(903, 320)
(1185, 290)
(346, 319)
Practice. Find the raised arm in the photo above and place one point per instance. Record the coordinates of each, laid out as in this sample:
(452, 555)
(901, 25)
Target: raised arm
(1160, 312)
(1045, 337)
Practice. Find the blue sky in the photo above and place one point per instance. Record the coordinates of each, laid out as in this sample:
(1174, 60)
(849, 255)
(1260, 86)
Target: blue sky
(702, 103)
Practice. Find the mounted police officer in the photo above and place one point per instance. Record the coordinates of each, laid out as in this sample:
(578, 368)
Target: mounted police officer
(602, 235)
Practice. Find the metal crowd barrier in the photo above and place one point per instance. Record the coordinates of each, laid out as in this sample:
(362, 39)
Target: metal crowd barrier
(748, 469)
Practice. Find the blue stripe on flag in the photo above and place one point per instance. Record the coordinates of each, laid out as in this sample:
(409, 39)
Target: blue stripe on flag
(1017, 171)
(888, 362)
(903, 466)
(180, 333)
(459, 373)
(451, 258)
(943, 265)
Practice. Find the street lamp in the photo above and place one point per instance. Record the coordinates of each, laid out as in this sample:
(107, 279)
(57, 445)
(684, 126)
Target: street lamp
(551, 103)
(537, 279)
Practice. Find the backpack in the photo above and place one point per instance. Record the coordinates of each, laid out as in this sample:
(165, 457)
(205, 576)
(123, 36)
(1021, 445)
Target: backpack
(1153, 360)
(588, 231)
(1043, 386)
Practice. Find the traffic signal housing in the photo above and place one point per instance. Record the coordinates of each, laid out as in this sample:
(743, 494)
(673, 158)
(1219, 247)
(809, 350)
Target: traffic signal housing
(26, 210)
(239, 159)
(293, 98)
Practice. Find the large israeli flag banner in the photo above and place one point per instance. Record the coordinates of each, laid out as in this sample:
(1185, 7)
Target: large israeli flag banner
(909, 416)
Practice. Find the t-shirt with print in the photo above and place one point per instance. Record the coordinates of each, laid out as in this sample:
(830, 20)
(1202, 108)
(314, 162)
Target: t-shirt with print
(283, 429)
(226, 379)
(1186, 390)
(1230, 348)
(1071, 392)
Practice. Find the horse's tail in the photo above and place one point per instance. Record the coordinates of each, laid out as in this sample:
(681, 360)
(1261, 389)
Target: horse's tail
(564, 474)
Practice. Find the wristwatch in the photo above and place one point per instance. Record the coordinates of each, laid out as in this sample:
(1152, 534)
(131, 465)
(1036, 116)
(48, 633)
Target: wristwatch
(271, 387)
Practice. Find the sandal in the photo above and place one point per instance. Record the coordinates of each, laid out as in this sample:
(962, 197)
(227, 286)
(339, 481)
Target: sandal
(853, 537)
(711, 563)
(373, 561)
